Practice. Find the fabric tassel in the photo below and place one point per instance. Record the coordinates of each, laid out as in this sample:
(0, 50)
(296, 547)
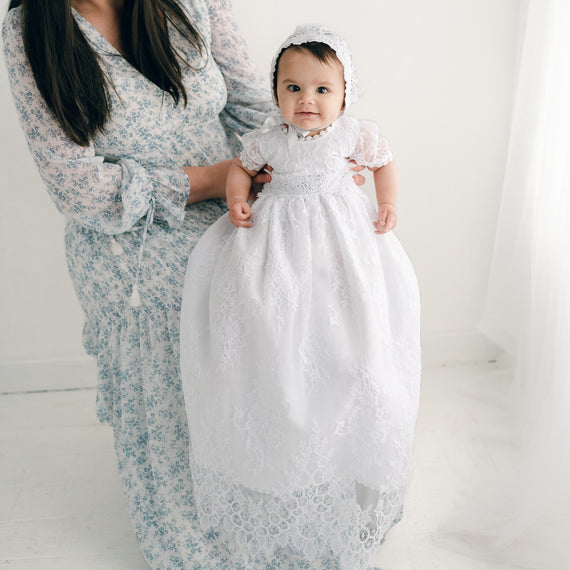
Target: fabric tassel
(135, 297)
(116, 247)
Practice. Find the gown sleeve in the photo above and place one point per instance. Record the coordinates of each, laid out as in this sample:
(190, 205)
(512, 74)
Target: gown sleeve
(251, 155)
(249, 99)
(372, 149)
(109, 197)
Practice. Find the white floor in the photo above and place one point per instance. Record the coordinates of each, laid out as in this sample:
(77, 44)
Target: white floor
(60, 499)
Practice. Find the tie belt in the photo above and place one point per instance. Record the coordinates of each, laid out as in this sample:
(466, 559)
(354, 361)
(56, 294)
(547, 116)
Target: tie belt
(116, 248)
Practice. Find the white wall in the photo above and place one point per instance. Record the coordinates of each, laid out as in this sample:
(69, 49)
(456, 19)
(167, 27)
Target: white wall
(39, 314)
(438, 79)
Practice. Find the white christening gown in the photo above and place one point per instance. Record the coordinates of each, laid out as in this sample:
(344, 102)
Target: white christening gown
(300, 356)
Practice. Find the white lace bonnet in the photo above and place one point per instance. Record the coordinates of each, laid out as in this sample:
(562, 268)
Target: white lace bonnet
(314, 33)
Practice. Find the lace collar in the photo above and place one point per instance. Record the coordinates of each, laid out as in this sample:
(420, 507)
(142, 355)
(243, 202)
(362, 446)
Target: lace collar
(300, 135)
(294, 134)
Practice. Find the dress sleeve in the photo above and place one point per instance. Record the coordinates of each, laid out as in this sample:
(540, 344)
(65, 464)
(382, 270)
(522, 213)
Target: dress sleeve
(371, 148)
(109, 197)
(251, 155)
(249, 99)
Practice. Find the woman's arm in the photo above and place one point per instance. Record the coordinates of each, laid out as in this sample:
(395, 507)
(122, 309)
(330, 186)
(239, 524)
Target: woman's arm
(208, 181)
(109, 197)
(249, 99)
(211, 181)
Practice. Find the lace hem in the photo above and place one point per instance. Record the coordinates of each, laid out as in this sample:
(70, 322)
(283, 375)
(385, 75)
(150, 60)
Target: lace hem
(327, 515)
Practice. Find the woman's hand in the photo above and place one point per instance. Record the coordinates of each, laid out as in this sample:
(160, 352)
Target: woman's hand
(261, 178)
(387, 218)
(359, 180)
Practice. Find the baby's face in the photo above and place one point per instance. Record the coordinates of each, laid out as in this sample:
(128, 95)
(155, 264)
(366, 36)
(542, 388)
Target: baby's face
(310, 93)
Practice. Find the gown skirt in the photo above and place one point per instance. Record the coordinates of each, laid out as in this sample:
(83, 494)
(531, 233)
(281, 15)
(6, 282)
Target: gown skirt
(300, 365)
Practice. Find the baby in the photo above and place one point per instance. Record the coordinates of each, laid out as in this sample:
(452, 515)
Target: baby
(300, 330)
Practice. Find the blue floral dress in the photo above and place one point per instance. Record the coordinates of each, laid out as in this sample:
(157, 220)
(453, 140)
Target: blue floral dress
(129, 231)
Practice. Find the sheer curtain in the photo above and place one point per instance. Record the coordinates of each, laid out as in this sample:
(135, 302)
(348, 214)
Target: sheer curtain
(528, 306)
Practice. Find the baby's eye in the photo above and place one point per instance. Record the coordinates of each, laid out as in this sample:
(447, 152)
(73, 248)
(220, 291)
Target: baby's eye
(322, 90)
(293, 88)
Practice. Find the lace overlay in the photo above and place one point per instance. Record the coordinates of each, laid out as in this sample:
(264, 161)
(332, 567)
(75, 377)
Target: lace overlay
(300, 357)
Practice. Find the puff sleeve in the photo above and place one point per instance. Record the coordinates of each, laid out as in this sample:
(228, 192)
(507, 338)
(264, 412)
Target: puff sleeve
(372, 149)
(109, 197)
(251, 155)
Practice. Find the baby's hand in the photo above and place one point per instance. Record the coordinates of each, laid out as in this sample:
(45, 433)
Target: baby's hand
(240, 214)
(387, 218)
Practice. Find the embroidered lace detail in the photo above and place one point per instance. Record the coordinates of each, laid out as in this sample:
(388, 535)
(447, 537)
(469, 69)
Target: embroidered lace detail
(372, 149)
(296, 185)
(318, 511)
(345, 138)
(251, 156)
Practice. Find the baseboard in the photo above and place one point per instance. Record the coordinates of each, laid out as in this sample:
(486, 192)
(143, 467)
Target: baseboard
(40, 375)
(465, 346)
(438, 349)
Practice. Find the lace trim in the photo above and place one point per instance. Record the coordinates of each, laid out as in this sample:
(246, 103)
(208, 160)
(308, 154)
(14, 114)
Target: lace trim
(285, 130)
(317, 513)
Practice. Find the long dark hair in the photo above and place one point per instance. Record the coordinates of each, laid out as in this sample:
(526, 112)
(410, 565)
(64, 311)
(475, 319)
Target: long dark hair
(67, 70)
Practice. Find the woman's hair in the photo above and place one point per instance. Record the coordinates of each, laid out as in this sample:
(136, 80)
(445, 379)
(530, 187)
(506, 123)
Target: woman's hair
(323, 52)
(67, 69)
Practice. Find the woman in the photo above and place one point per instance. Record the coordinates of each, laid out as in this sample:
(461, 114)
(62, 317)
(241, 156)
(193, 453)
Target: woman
(131, 110)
